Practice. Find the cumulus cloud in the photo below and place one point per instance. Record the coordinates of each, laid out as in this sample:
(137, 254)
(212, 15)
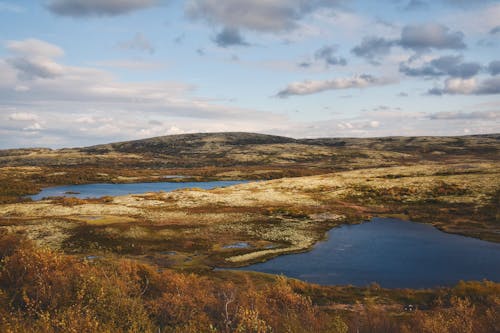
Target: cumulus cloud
(34, 59)
(494, 67)
(229, 37)
(309, 87)
(85, 8)
(372, 47)
(88, 105)
(445, 65)
(419, 38)
(264, 16)
(458, 86)
(139, 43)
(488, 87)
(327, 55)
(29, 69)
(431, 35)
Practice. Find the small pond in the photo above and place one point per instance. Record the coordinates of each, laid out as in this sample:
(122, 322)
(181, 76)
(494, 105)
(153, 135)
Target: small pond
(100, 190)
(393, 253)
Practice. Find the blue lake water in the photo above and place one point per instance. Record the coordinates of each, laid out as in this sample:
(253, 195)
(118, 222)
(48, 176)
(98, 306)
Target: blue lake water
(100, 190)
(393, 253)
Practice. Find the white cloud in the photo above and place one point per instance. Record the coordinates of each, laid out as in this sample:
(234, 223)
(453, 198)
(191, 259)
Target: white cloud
(35, 127)
(472, 86)
(85, 120)
(395, 122)
(84, 105)
(461, 86)
(312, 87)
(87, 87)
(33, 59)
(345, 125)
(23, 116)
(76, 105)
(34, 47)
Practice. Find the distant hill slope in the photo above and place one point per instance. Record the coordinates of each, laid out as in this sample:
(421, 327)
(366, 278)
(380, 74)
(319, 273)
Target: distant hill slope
(237, 149)
(185, 142)
(191, 143)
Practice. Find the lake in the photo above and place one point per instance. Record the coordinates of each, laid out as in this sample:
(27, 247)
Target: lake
(393, 253)
(100, 190)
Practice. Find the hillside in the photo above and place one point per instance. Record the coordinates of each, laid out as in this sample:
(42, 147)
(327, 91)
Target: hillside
(249, 149)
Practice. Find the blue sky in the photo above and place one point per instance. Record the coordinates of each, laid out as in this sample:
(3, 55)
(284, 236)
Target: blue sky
(82, 72)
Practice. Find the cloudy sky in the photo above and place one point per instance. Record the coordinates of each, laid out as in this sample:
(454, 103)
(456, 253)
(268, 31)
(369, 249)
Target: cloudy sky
(82, 72)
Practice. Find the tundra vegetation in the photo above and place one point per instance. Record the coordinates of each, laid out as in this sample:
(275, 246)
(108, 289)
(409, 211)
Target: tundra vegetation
(143, 263)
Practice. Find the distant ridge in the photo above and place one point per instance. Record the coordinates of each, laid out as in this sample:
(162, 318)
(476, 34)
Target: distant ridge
(194, 140)
(233, 139)
(241, 149)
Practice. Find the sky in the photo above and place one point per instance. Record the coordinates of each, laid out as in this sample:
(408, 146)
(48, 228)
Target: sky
(82, 72)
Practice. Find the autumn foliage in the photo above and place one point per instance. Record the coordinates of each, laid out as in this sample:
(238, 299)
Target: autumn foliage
(45, 291)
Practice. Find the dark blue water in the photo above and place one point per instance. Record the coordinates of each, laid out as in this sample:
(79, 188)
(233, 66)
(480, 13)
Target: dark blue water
(393, 253)
(100, 190)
